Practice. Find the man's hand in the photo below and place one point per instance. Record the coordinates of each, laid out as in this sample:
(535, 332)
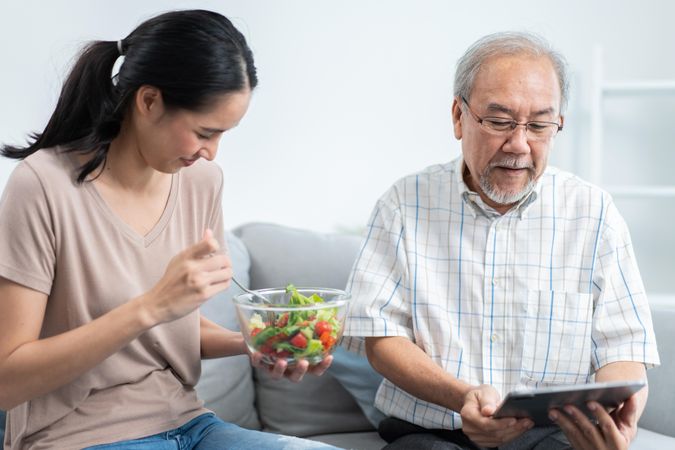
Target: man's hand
(477, 422)
(614, 431)
(295, 372)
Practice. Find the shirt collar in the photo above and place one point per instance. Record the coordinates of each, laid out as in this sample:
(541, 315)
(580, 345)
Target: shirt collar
(477, 204)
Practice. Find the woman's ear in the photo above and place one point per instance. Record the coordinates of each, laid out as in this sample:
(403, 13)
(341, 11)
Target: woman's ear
(456, 116)
(148, 102)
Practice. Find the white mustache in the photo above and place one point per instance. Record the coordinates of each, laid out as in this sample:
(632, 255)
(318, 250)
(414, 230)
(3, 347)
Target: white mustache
(511, 163)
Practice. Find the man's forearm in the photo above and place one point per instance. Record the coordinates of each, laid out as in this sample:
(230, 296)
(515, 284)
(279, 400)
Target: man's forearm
(626, 370)
(408, 367)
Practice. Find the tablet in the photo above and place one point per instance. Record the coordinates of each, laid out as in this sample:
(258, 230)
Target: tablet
(535, 403)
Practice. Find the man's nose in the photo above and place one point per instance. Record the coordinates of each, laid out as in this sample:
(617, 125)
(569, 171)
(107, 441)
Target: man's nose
(517, 141)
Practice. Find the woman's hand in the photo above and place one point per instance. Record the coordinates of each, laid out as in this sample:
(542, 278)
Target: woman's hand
(191, 277)
(218, 342)
(614, 431)
(477, 422)
(296, 372)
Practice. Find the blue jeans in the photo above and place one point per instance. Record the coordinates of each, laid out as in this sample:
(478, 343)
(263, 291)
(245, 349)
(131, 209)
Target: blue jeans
(208, 432)
(2, 427)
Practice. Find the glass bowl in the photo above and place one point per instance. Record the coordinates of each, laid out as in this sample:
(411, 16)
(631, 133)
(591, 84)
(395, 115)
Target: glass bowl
(293, 327)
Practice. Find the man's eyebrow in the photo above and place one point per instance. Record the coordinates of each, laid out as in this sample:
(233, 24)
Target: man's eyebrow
(496, 107)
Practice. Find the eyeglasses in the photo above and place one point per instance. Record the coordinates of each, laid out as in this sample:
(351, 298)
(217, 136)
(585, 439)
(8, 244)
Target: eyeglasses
(535, 130)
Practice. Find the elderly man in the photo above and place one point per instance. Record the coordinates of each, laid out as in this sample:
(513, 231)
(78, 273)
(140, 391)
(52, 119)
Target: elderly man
(495, 272)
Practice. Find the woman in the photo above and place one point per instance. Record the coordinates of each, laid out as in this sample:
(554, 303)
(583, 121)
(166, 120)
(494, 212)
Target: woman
(106, 248)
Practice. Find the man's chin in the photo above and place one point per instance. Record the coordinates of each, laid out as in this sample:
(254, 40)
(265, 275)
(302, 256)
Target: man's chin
(508, 196)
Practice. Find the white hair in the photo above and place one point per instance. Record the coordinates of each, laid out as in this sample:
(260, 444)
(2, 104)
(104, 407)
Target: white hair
(508, 43)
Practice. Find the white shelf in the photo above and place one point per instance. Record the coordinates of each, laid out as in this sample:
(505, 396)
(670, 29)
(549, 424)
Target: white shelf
(642, 191)
(651, 87)
(600, 90)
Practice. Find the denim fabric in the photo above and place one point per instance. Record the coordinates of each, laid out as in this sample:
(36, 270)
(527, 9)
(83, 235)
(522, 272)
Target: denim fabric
(208, 432)
(2, 427)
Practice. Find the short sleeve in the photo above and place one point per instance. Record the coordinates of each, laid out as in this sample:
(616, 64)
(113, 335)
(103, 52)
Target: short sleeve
(379, 282)
(27, 244)
(216, 217)
(622, 323)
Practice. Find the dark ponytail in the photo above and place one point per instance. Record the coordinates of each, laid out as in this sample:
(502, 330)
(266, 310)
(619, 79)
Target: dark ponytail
(190, 56)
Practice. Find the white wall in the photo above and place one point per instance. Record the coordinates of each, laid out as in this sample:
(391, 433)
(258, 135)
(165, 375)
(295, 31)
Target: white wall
(353, 94)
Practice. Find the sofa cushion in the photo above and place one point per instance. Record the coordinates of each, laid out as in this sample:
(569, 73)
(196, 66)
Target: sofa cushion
(357, 376)
(226, 384)
(316, 405)
(368, 440)
(659, 415)
(648, 440)
(281, 255)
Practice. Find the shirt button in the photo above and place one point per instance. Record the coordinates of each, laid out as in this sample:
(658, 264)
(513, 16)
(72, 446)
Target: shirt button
(495, 282)
(494, 338)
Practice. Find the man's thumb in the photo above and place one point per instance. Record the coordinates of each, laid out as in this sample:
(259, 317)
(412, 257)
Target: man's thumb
(487, 402)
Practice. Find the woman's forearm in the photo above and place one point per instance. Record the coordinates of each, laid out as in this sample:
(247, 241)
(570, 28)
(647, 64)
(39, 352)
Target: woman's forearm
(218, 342)
(39, 366)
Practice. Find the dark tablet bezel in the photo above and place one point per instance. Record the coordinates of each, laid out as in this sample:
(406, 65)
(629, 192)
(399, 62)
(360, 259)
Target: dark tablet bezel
(536, 403)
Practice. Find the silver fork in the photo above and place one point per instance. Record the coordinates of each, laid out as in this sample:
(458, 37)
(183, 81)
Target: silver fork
(271, 317)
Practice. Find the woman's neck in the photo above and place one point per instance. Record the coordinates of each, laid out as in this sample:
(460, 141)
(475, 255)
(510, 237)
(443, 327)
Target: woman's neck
(125, 168)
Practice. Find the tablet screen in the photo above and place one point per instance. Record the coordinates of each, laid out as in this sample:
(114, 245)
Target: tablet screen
(535, 403)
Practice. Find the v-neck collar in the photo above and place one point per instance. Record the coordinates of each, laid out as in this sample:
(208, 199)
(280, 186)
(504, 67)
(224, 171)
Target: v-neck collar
(139, 239)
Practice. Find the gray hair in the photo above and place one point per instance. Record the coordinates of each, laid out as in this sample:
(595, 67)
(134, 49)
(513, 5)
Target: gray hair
(508, 43)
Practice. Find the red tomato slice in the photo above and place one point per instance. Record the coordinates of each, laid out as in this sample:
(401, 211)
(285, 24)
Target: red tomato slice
(299, 340)
(321, 327)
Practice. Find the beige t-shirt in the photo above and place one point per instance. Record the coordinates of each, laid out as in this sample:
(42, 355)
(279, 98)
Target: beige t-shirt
(61, 238)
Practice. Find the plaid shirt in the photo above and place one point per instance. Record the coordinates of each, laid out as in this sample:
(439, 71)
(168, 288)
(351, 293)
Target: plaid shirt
(545, 294)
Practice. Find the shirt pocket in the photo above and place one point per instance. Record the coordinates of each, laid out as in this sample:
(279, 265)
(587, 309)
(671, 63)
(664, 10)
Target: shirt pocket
(557, 338)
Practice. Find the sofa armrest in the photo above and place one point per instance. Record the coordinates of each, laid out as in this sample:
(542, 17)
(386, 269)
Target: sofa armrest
(659, 415)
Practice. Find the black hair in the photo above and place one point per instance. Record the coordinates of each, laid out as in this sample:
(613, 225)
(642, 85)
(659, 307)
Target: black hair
(191, 56)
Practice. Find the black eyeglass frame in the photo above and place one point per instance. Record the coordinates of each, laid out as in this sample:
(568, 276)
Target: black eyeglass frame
(513, 123)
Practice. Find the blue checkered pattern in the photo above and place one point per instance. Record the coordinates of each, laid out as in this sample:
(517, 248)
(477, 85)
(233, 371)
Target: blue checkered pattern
(543, 295)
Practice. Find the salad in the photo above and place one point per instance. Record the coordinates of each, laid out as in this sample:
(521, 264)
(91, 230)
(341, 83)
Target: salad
(304, 334)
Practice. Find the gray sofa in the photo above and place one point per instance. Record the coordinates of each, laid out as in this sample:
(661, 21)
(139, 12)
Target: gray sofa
(337, 407)
(279, 255)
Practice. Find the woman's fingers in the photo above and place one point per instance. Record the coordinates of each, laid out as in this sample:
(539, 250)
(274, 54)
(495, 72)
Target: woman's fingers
(215, 288)
(218, 276)
(320, 369)
(298, 371)
(278, 369)
(213, 262)
(295, 373)
(207, 246)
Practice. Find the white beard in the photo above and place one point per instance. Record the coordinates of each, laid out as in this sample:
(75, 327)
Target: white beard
(505, 198)
(501, 197)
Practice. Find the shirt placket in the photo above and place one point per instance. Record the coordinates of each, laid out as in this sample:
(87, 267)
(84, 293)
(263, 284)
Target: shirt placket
(494, 303)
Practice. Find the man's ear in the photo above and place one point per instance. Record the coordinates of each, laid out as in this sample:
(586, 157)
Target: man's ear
(456, 115)
(148, 101)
